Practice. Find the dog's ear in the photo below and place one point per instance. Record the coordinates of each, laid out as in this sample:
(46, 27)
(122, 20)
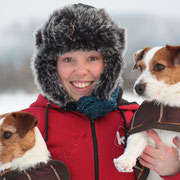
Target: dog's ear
(24, 122)
(138, 55)
(175, 54)
(3, 115)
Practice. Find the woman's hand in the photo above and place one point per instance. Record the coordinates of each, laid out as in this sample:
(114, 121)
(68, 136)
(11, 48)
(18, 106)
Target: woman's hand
(163, 159)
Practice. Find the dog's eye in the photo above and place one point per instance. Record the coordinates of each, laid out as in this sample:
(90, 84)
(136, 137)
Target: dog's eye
(159, 67)
(7, 135)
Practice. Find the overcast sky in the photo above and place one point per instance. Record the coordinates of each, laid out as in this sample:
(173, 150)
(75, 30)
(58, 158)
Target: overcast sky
(24, 10)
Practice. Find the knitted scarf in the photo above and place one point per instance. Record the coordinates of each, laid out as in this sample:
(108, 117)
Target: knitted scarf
(94, 107)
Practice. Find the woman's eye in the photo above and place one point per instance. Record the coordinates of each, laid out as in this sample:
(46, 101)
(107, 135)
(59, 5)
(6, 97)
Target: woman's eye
(159, 67)
(68, 60)
(92, 58)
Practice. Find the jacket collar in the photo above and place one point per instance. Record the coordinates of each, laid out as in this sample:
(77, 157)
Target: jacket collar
(42, 101)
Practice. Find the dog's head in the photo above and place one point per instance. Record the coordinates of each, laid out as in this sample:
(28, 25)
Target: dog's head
(160, 74)
(16, 135)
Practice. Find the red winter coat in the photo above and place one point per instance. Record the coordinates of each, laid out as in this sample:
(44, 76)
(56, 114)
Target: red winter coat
(86, 147)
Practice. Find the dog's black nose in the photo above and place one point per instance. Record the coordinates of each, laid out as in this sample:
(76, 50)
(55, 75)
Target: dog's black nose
(139, 88)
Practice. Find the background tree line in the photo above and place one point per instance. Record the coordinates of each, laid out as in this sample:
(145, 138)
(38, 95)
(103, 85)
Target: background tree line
(17, 46)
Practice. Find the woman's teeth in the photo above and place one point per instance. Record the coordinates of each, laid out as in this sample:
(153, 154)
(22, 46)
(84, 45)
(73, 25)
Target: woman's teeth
(81, 85)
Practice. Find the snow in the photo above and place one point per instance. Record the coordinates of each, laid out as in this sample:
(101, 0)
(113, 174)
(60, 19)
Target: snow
(132, 98)
(18, 101)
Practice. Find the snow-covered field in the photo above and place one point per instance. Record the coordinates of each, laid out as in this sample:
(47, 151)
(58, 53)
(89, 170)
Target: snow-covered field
(18, 101)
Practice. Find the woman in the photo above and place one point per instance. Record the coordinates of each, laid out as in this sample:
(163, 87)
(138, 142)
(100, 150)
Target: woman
(77, 67)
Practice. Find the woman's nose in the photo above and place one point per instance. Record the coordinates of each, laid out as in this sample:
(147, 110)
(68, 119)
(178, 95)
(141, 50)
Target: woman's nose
(81, 69)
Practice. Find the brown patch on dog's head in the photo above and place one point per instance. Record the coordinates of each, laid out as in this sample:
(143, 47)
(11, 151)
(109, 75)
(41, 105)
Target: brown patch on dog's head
(175, 54)
(138, 57)
(24, 122)
(16, 135)
(165, 64)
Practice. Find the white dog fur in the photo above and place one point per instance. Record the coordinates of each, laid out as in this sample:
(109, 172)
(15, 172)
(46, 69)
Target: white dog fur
(159, 90)
(24, 160)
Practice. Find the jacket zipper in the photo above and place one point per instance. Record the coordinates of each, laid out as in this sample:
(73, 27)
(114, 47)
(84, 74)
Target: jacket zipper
(96, 161)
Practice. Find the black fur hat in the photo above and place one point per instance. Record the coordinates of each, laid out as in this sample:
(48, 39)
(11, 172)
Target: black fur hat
(78, 27)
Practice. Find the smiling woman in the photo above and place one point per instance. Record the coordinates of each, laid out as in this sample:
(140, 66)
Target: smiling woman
(77, 68)
(79, 72)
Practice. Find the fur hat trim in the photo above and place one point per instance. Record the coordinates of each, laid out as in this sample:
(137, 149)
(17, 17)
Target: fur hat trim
(78, 27)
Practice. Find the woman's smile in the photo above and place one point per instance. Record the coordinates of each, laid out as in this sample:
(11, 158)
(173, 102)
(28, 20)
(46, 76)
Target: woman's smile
(81, 85)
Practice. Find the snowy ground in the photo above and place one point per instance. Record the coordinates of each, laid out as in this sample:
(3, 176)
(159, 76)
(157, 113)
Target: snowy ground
(21, 100)
(14, 102)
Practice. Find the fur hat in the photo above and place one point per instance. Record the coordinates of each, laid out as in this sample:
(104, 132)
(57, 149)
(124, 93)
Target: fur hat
(77, 27)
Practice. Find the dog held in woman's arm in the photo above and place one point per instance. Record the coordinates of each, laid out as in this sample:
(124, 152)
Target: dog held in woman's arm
(23, 152)
(159, 85)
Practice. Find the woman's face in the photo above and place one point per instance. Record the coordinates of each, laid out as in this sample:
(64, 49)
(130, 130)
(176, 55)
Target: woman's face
(79, 71)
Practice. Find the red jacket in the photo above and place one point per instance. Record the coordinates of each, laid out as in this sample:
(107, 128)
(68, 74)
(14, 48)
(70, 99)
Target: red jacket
(86, 147)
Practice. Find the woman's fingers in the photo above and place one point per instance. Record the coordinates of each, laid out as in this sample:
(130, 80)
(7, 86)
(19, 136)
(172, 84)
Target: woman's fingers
(151, 151)
(176, 141)
(162, 159)
(153, 134)
(146, 164)
(147, 158)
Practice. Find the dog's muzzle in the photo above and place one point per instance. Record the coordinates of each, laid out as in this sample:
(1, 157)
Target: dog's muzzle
(140, 88)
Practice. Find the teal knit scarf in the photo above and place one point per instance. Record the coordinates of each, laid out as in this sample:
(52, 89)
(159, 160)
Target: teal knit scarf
(94, 107)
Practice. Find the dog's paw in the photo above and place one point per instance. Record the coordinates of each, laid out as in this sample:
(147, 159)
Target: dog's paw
(124, 165)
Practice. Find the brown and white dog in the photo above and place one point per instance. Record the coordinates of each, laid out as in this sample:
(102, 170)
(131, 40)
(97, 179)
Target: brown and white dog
(22, 149)
(159, 84)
